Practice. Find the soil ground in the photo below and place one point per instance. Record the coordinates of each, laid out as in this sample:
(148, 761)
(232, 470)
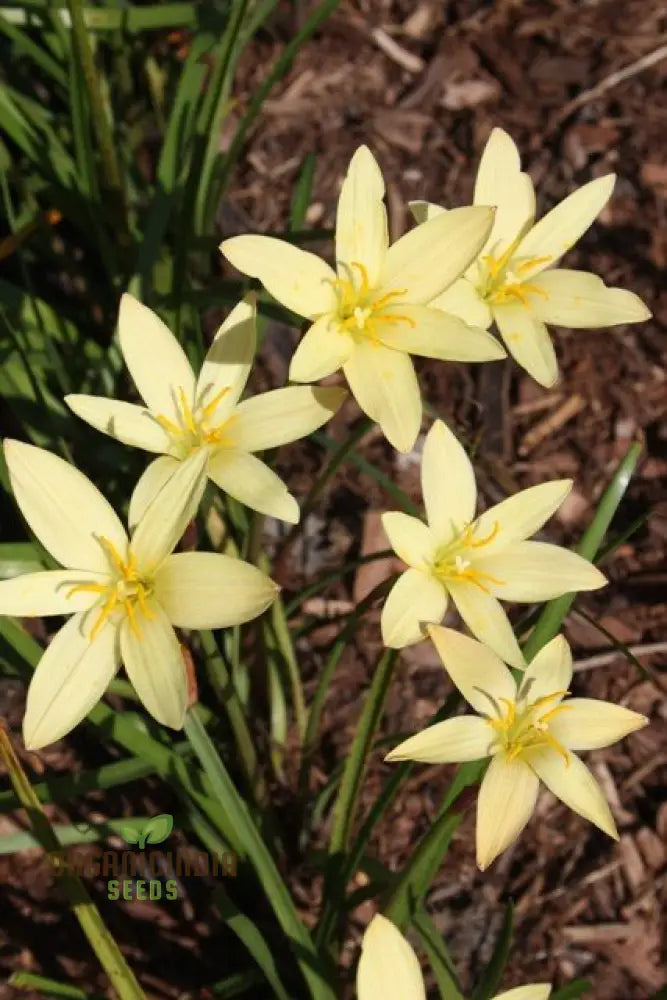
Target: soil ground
(423, 84)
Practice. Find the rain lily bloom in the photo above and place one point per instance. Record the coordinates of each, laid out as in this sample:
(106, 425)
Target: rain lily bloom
(370, 314)
(183, 413)
(125, 595)
(389, 969)
(529, 731)
(514, 281)
(473, 560)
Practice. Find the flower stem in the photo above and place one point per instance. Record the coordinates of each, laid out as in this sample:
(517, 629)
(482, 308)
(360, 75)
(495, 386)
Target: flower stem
(101, 941)
(260, 857)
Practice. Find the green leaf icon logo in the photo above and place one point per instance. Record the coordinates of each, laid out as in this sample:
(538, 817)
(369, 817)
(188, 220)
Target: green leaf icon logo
(129, 834)
(157, 829)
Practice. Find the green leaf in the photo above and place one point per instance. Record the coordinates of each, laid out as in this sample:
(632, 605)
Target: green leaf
(488, 985)
(49, 987)
(130, 835)
(554, 612)
(253, 939)
(579, 987)
(302, 194)
(158, 828)
(438, 956)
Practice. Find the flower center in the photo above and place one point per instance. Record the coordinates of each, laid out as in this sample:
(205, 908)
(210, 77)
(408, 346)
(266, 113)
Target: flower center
(498, 284)
(127, 590)
(455, 561)
(521, 726)
(359, 310)
(195, 427)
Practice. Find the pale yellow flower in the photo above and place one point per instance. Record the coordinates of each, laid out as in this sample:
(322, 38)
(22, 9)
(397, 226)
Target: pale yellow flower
(370, 314)
(529, 731)
(389, 969)
(184, 413)
(514, 281)
(475, 560)
(125, 595)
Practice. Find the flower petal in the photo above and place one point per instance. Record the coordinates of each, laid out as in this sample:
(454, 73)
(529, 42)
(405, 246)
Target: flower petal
(69, 680)
(448, 483)
(228, 361)
(506, 801)
(385, 386)
(573, 784)
(486, 620)
(422, 211)
(133, 425)
(550, 670)
(501, 182)
(430, 257)
(533, 991)
(537, 571)
(300, 280)
(169, 513)
(361, 219)
(149, 484)
(66, 512)
(578, 299)
(410, 538)
(283, 415)
(154, 663)
(35, 595)
(467, 737)
(415, 599)
(388, 967)
(156, 361)
(528, 341)
(207, 590)
(431, 333)
(560, 228)
(521, 515)
(481, 677)
(462, 299)
(246, 478)
(589, 724)
(323, 349)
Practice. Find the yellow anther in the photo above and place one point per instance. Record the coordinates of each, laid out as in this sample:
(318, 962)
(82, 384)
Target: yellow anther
(168, 425)
(187, 412)
(531, 263)
(113, 554)
(481, 542)
(365, 284)
(210, 407)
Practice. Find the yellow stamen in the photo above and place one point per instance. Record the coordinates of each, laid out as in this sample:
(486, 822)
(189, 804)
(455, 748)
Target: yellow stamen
(210, 407)
(481, 542)
(187, 412)
(532, 262)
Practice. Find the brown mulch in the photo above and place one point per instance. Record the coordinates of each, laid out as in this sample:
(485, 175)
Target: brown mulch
(423, 84)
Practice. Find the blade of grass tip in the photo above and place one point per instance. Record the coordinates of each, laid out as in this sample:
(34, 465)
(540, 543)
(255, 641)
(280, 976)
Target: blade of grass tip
(285, 646)
(343, 450)
(101, 941)
(438, 955)
(246, 831)
(374, 473)
(413, 882)
(277, 697)
(554, 612)
(356, 761)
(338, 574)
(281, 66)
(49, 987)
(232, 705)
(235, 985)
(252, 938)
(303, 190)
(624, 650)
(580, 987)
(111, 172)
(488, 984)
(326, 676)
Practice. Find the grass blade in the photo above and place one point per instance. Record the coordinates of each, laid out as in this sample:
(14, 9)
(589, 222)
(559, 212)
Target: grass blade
(553, 613)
